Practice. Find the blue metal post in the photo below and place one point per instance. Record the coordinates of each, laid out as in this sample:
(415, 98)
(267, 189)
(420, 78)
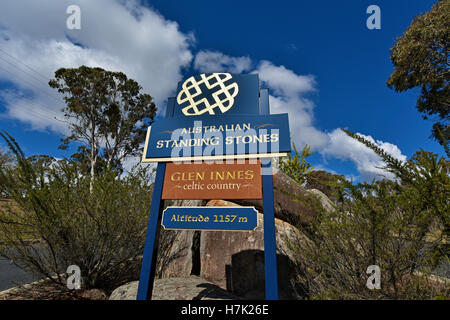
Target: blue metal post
(270, 249)
(151, 242)
(148, 267)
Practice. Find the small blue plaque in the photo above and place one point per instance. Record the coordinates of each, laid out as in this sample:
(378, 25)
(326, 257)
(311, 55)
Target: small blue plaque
(210, 218)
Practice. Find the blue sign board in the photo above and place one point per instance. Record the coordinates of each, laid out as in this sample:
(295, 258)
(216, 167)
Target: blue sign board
(225, 137)
(210, 218)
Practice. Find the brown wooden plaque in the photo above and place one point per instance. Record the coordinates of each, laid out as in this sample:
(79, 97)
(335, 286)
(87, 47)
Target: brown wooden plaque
(212, 181)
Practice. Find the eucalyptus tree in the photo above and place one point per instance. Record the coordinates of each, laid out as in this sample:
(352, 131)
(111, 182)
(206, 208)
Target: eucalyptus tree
(106, 113)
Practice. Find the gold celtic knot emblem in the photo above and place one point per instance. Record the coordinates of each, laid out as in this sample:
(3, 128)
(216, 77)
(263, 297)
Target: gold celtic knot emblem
(223, 95)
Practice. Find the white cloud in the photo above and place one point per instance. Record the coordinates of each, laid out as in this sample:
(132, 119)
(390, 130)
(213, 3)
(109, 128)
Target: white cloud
(368, 164)
(40, 113)
(300, 120)
(285, 82)
(289, 90)
(213, 61)
(119, 35)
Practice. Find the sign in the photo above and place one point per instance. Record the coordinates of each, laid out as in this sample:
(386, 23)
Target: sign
(212, 181)
(210, 218)
(210, 138)
(214, 116)
(215, 94)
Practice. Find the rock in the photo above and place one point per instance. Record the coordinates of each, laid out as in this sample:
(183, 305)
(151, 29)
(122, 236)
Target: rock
(324, 200)
(191, 288)
(234, 260)
(94, 294)
(126, 292)
(175, 253)
(175, 248)
(288, 200)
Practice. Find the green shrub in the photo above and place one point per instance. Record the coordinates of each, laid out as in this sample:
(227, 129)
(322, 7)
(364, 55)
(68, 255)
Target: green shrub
(296, 166)
(102, 232)
(401, 226)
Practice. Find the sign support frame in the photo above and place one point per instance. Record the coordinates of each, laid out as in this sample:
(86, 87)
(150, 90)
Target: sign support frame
(270, 249)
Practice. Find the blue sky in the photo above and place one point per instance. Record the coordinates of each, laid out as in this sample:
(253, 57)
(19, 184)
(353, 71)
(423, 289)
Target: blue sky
(321, 63)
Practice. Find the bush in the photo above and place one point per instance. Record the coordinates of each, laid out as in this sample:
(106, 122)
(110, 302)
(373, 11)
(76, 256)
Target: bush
(296, 166)
(376, 225)
(401, 226)
(102, 232)
(328, 183)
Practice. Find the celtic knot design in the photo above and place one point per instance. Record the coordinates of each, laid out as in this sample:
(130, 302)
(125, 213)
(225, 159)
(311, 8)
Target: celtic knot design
(223, 96)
